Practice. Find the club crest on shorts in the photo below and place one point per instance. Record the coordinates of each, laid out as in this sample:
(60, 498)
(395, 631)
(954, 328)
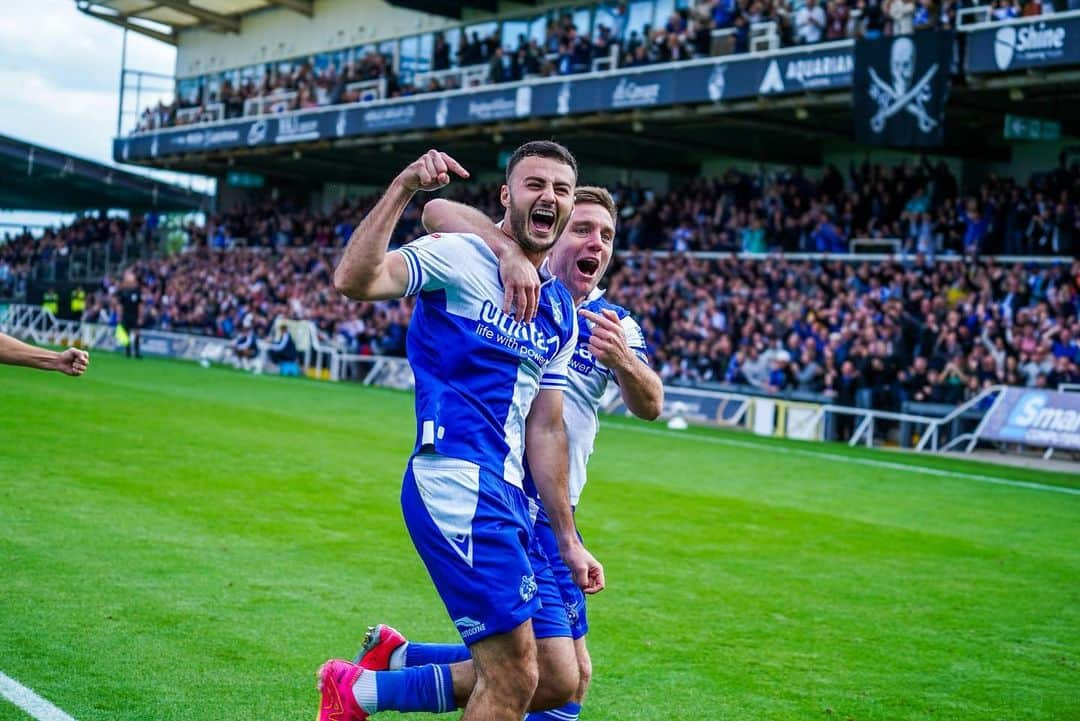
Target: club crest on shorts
(527, 588)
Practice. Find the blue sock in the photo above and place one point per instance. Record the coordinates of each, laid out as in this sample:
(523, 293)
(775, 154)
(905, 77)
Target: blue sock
(421, 654)
(423, 688)
(567, 712)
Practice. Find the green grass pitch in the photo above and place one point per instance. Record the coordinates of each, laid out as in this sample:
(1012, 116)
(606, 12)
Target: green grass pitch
(185, 543)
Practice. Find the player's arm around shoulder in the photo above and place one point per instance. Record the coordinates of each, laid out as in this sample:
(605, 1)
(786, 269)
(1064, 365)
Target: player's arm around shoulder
(366, 270)
(619, 344)
(520, 280)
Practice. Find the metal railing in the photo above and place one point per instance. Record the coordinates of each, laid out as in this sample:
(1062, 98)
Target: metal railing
(467, 76)
(92, 262)
(981, 17)
(34, 323)
(932, 437)
(368, 90)
(279, 101)
(973, 15)
(212, 112)
(896, 244)
(763, 415)
(764, 37)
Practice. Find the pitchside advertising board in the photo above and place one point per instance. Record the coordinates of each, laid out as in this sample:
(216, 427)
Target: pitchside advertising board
(821, 68)
(1040, 42)
(1046, 419)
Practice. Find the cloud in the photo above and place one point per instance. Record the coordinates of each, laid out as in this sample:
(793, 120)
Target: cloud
(72, 50)
(61, 73)
(75, 121)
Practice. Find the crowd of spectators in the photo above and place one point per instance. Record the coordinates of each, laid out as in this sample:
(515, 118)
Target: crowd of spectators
(56, 249)
(860, 334)
(936, 323)
(921, 205)
(707, 27)
(214, 292)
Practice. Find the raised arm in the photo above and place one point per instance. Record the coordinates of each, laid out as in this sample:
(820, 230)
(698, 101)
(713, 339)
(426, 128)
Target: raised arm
(14, 352)
(521, 283)
(546, 449)
(366, 271)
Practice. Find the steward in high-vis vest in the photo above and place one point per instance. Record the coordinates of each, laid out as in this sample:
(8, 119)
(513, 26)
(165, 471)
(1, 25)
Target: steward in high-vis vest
(51, 301)
(77, 302)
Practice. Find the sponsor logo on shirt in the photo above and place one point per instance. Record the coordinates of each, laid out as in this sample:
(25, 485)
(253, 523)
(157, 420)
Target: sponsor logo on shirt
(527, 339)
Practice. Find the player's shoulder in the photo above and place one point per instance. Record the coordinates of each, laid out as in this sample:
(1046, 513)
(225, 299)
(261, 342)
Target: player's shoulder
(597, 303)
(457, 240)
(459, 254)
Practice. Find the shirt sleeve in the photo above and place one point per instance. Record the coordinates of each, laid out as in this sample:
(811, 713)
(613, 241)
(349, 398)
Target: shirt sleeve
(435, 261)
(555, 374)
(635, 338)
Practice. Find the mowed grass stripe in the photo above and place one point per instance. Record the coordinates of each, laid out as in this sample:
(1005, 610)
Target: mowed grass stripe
(190, 544)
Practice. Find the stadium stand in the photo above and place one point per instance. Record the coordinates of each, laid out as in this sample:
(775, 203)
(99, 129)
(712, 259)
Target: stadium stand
(872, 335)
(750, 206)
(921, 204)
(89, 247)
(544, 44)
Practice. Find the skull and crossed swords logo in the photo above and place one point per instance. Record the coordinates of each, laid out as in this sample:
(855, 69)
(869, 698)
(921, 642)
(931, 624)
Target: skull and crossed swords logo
(902, 95)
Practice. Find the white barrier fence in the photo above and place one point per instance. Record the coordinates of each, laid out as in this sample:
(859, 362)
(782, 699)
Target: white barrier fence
(762, 415)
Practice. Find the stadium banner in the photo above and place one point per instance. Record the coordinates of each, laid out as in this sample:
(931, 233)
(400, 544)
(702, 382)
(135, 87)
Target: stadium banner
(185, 346)
(701, 407)
(1037, 42)
(900, 89)
(1043, 418)
(717, 80)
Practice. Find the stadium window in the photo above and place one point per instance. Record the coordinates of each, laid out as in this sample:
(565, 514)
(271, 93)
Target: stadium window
(483, 31)
(188, 91)
(538, 30)
(638, 18)
(389, 50)
(512, 32)
(612, 15)
(453, 42)
(410, 49)
(664, 8)
(213, 87)
(582, 19)
(321, 62)
(427, 50)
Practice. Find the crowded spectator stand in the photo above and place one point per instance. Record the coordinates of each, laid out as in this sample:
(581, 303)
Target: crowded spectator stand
(462, 57)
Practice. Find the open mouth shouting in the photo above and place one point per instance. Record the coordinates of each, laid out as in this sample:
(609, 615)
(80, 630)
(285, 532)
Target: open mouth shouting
(588, 267)
(542, 220)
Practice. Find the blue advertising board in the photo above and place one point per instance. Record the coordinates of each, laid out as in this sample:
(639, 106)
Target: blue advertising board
(716, 80)
(1044, 418)
(1039, 42)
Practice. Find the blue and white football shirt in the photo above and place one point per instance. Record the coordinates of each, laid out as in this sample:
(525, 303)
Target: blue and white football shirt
(587, 384)
(477, 369)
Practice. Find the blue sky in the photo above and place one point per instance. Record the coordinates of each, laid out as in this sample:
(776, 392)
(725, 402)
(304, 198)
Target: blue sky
(60, 71)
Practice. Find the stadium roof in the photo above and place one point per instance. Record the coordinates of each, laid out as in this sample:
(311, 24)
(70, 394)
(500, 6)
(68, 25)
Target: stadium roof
(164, 19)
(38, 178)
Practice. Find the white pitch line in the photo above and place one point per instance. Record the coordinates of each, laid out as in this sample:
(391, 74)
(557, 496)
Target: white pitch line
(850, 459)
(29, 701)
